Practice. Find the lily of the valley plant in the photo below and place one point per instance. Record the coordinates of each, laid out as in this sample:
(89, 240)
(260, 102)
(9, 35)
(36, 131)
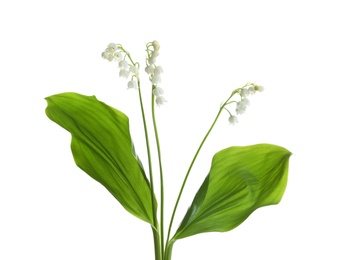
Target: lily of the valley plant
(241, 178)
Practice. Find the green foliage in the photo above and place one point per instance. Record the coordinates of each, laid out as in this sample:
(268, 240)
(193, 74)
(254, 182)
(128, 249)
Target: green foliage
(102, 147)
(241, 179)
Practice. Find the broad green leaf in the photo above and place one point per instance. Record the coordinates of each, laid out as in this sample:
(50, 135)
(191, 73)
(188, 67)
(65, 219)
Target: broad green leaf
(102, 147)
(241, 179)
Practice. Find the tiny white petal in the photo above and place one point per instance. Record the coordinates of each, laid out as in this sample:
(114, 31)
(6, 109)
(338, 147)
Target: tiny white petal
(158, 91)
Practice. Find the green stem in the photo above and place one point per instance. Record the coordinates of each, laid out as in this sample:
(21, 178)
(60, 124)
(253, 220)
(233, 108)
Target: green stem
(169, 249)
(191, 165)
(157, 242)
(161, 174)
(155, 228)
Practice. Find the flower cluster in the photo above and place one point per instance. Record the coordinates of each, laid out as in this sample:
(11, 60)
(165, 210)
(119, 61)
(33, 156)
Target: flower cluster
(154, 71)
(114, 52)
(244, 92)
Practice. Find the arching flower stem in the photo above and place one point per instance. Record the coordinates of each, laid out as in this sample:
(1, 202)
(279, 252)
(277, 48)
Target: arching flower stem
(157, 231)
(161, 172)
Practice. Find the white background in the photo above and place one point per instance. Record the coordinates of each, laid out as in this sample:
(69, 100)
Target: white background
(49, 209)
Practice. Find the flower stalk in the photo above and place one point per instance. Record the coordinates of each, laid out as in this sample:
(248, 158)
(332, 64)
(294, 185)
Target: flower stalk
(161, 176)
(113, 52)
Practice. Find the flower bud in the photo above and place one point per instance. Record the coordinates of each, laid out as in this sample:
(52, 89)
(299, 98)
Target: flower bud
(156, 45)
(259, 88)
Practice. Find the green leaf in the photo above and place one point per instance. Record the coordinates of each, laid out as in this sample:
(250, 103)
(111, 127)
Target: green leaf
(102, 147)
(241, 179)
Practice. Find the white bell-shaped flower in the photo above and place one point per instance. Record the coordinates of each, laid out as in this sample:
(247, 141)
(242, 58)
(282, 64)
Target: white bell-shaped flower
(233, 120)
(132, 84)
(158, 91)
(240, 107)
(245, 92)
(112, 46)
(108, 55)
(160, 100)
(133, 69)
(245, 102)
(155, 79)
(155, 54)
(252, 90)
(124, 73)
(123, 64)
(149, 69)
(104, 55)
(118, 56)
(158, 70)
(152, 60)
